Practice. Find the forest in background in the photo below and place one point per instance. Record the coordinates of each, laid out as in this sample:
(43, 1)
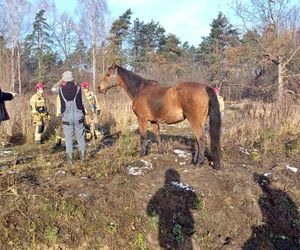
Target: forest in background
(260, 59)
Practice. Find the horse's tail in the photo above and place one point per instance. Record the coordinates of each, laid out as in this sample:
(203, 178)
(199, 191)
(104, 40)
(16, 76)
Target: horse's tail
(214, 127)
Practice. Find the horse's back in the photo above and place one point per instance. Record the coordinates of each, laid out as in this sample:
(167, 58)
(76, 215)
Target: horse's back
(191, 87)
(191, 91)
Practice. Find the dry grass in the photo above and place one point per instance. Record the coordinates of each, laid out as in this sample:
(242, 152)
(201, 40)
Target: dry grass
(116, 105)
(255, 124)
(20, 127)
(48, 205)
(116, 114)
(116, 110)
(263, 125)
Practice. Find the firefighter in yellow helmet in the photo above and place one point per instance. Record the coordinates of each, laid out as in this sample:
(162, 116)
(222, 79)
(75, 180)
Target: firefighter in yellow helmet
(93, 126)
(39, 111)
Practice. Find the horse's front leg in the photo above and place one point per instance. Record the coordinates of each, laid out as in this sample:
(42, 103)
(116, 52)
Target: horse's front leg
(143, 133)
(155, 128)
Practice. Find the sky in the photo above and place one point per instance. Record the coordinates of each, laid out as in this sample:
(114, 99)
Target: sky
(187, 19)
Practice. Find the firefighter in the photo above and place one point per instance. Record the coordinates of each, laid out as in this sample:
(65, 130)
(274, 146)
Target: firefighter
(39, 111)
(92, 127)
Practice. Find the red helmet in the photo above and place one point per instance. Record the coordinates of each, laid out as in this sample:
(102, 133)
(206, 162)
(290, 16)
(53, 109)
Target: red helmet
(84, 85)
(39, 86)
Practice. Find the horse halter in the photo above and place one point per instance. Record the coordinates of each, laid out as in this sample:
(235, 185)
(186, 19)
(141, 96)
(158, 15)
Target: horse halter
(112, 81)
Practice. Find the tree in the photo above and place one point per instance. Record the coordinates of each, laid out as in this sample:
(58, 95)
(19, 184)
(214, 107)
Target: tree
(145, 40)
(171, 48)
(12, 16)
(40, 44)
(93, 22)
(277, 23)
(118, 34)
(211, 50)
(79, 58)
(64, 35)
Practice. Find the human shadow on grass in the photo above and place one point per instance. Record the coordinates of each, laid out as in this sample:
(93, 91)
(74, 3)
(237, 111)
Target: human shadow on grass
(280, 228)
(172, 204)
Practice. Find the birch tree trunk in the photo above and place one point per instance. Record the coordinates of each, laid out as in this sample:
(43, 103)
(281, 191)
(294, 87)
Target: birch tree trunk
(280, 81)
(93, 20)
(12, 65)
(19, 67)
(94, 66)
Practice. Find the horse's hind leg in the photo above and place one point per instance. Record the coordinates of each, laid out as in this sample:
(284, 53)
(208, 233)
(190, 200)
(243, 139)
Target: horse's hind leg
(200, 140)
(155, 128)
(198, 158)
(143, 133)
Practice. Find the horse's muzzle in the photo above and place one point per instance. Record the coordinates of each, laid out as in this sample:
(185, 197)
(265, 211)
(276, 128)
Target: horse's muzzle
(102, 90)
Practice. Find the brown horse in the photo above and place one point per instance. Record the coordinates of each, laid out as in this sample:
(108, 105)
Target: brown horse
(153, 103)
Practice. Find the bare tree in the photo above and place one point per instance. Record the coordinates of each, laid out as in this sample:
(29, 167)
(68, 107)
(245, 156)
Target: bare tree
(12, 14)
(64, 34)
(93, 15)
(277, 23)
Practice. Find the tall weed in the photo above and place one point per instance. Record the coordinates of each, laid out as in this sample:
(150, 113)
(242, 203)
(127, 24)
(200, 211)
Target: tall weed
(264, 125)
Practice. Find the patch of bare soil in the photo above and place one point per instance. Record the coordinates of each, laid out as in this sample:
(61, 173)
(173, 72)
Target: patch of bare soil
(117, 200)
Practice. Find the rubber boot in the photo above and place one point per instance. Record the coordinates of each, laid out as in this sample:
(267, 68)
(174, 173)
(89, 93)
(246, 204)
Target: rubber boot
(56, 145)
(70, 158)
(99, 135)
(82, 155)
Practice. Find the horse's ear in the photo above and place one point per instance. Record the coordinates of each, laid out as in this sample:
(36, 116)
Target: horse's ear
(114, 66)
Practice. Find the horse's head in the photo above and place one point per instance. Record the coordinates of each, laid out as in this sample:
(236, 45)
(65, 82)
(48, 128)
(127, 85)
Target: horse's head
(110, 79)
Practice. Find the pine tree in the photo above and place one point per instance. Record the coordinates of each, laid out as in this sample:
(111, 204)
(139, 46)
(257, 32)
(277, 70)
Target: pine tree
(211, 50)
(39, 43)
(118, 34)
(145, 40)
(79, 58)
(171, 48)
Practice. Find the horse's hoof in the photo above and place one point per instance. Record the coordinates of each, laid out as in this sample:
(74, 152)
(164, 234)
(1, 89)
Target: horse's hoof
(143, 153)
(198, 162)
(216, 166)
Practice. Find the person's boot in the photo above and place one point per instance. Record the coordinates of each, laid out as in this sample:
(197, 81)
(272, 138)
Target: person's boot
(56, 145)
(70, 158)
(99, 135)
(88, 136)
(82, 155)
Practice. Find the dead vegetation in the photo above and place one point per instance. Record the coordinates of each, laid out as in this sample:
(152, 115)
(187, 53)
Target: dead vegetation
(47, 204)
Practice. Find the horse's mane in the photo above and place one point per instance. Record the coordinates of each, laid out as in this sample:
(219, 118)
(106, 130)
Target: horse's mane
(135, 83)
